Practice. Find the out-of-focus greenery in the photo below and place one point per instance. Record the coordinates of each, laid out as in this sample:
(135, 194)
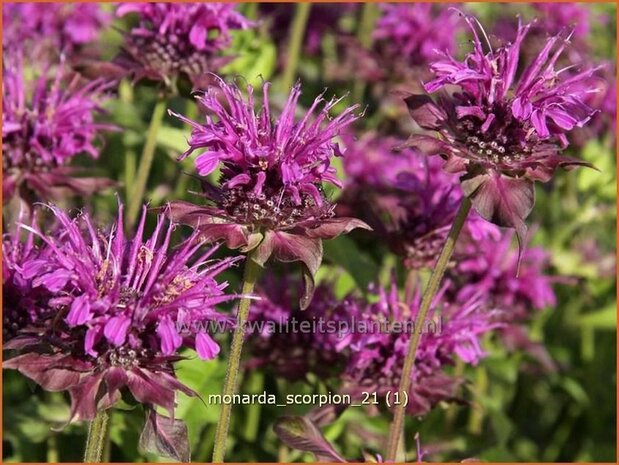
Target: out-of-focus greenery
(517, 413)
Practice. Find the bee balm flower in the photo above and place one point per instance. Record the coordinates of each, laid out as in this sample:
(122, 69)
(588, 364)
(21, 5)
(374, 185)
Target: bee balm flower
(179, 38)
(269, 197)
(47, 121)
(114, 309)
(501, 131)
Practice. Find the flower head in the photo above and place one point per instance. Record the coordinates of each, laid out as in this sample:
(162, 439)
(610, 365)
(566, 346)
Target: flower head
(62, 27)
(171, 39)
(517, 285)
(378, 351)
(492, 269)
(416, 32)
(405, 197)
(503, 133)
(47, 120)
(117, 313)
(294, 344)
(23, 304)
(270, 192)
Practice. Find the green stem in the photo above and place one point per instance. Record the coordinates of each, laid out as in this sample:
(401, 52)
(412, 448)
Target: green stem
(364, 35)
(252, 271)
(297, 31)
(426, 302)
(52, 449)
(96, 438)
(146, 161)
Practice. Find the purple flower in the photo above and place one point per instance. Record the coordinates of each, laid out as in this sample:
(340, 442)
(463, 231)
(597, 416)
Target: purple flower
(416, 32)
(491, 268)
(379, 345)
(502, 132)
(294, 344)
(59, 27)
(47, 120)
(555, 18)
(171, 39)
(269, 196)
(23, 304)
(406, 198)
(517, 285)
(117, 310)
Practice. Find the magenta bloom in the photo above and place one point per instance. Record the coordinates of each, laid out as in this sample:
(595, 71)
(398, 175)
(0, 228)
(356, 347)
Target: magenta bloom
(60, 27)
(22, 303)
(416, 32)
(406, 198)
(270, 195)
(293, 344)
(179, 38)
(378, 352)
(555, 18)
(517, 285)
(502, 132)
(47, 120)
(491, 268)
(118, 311)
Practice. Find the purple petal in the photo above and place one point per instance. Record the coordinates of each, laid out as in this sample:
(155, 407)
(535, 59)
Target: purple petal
(170, 339)
(206, 347)
(116, 328)
(503, 200)
(166, 437)
(331, 228)
(425, 112)
(80, 311)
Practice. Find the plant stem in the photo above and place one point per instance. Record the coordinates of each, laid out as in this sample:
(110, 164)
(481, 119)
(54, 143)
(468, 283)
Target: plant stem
(250, 276)
(364, 36)
(52, 449)
(297, 31)
(428, 296)
(96, 438)
(146, 161)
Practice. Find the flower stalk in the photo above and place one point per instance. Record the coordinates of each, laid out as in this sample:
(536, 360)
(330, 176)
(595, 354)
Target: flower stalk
(146, 162)
(297, 31)
(95, 442)
(250, 276)
(426, 302)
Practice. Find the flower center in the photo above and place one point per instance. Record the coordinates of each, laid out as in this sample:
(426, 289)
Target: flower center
(504, 142)
(167, 55)
(273, 210)
(124, 357)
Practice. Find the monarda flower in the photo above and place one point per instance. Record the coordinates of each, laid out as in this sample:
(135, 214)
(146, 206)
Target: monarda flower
(415, 32)
(58, 27)
(380, 340)
(172, 39)
(22, 302)
(119, 311)
(501, 132)
(269, 196)
(519, 286)
(406, 198)
(295, 344)
(490, 268)
(47, 120)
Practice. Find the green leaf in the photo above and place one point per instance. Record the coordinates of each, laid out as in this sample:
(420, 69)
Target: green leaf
(344, 252)
(601, 319)
(205, 378)
(173, 139)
